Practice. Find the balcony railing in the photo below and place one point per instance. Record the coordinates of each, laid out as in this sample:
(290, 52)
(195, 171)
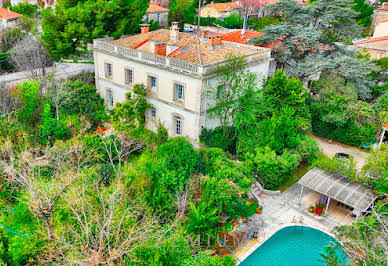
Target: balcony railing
(173, 63)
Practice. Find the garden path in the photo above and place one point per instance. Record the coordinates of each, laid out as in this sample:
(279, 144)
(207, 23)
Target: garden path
(331, 148)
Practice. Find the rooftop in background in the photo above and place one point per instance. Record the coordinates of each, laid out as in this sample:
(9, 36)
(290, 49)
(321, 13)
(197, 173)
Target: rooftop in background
(223, 7)
(187, 47)
(385, 8)
(156, 7)
(8, 14)
(238, 37)
(377, 39)
(338, 187)
(382, 21)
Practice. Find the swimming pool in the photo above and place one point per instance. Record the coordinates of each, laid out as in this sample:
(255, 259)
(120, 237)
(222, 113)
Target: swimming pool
(292, 245)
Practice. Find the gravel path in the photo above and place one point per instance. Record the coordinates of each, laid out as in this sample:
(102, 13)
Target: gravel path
(331, 148)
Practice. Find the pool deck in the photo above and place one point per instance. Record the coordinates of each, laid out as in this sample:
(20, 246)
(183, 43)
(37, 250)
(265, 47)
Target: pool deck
(285, 210)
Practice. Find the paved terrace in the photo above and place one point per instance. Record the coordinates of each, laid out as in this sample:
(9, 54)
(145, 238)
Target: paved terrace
(285, 210)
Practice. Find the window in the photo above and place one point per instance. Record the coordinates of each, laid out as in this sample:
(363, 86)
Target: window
(178, 125)
(128, 76)
(220, 91)
(109, 98)
(108, 70)
(147, 18)
(179, 89)
(152, 81)
(153, 112)
(158, 18)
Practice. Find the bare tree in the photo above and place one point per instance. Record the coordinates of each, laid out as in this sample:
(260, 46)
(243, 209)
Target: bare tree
(106, 226)
(251, 8)
(7, 102)
(119, 150)
(58, 93)
(31, 56)
(42, 192)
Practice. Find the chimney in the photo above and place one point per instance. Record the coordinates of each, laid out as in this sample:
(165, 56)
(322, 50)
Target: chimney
(145, 28)
(204, 34)
(174, 31)
(218, 41)
(160, 48)
(211, 42)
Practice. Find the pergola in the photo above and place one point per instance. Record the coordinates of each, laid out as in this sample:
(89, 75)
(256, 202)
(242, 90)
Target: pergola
(338, 187)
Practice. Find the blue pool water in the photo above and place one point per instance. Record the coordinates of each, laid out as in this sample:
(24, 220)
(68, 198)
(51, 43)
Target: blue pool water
(292, 245)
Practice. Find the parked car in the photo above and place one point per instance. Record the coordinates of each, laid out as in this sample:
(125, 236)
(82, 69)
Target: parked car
(188, 29)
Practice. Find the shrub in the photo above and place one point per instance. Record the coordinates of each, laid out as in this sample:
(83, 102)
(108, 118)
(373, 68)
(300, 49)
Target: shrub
(273, 170)
(308, 149)
(215, 138)
(51, 129)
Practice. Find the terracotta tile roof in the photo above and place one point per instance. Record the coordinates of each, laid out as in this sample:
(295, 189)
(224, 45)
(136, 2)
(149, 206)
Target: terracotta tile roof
(236, 36)
(188, 47)
(224, 7)
(156, 7)
(382, 21)
(383, 8)
(7, 14)
(377, 39)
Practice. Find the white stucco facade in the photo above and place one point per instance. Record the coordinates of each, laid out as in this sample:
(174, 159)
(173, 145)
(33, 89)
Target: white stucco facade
(191, 110)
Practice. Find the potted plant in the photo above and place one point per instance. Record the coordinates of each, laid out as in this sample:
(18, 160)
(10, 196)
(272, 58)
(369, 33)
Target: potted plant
(311, 209)
(259, 209)
(319, 207)
(100, 128)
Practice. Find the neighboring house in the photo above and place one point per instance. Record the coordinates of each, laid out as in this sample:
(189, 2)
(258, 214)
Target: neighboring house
(177, 68)
(220, 10)
(377, 46)
(8, 18)
(39, 3)
(381, 28)
(157, 12)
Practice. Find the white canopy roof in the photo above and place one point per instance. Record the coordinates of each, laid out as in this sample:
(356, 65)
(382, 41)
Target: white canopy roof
(338, 187)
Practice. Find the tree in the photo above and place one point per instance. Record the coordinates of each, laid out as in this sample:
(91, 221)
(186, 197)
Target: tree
(31, 56)
(365, 12)
(30, 102)
(7, 102)
(289, 92)
(130, 114)
(26, 9)
(235, 97)
(375, 171)
(63, 36)
(183, 11)
(304, 43)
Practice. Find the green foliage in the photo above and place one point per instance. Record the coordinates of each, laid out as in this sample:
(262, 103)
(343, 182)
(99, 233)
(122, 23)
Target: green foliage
(5, 65)
(346, 167)
(30, 102)
(273, 170)
(338, 115)
(262, 22)
(233, 21)
(18, 250)
(215, 138)
(182, 11)
(201, 221)
(25, 9)
(375, 171)
(130, 114)
(63, 35)
(308, 149)
(167, 171)
(289, 92)
(84, 100)
(51, 129)
(364, 12)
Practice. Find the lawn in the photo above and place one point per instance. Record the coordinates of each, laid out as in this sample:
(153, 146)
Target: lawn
(296, 175)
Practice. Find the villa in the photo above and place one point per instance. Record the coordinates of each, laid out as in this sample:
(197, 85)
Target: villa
(177, 68)
(8, 18)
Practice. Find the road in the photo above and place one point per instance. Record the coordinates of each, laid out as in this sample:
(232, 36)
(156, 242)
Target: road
(331, 148)
(61, 71)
